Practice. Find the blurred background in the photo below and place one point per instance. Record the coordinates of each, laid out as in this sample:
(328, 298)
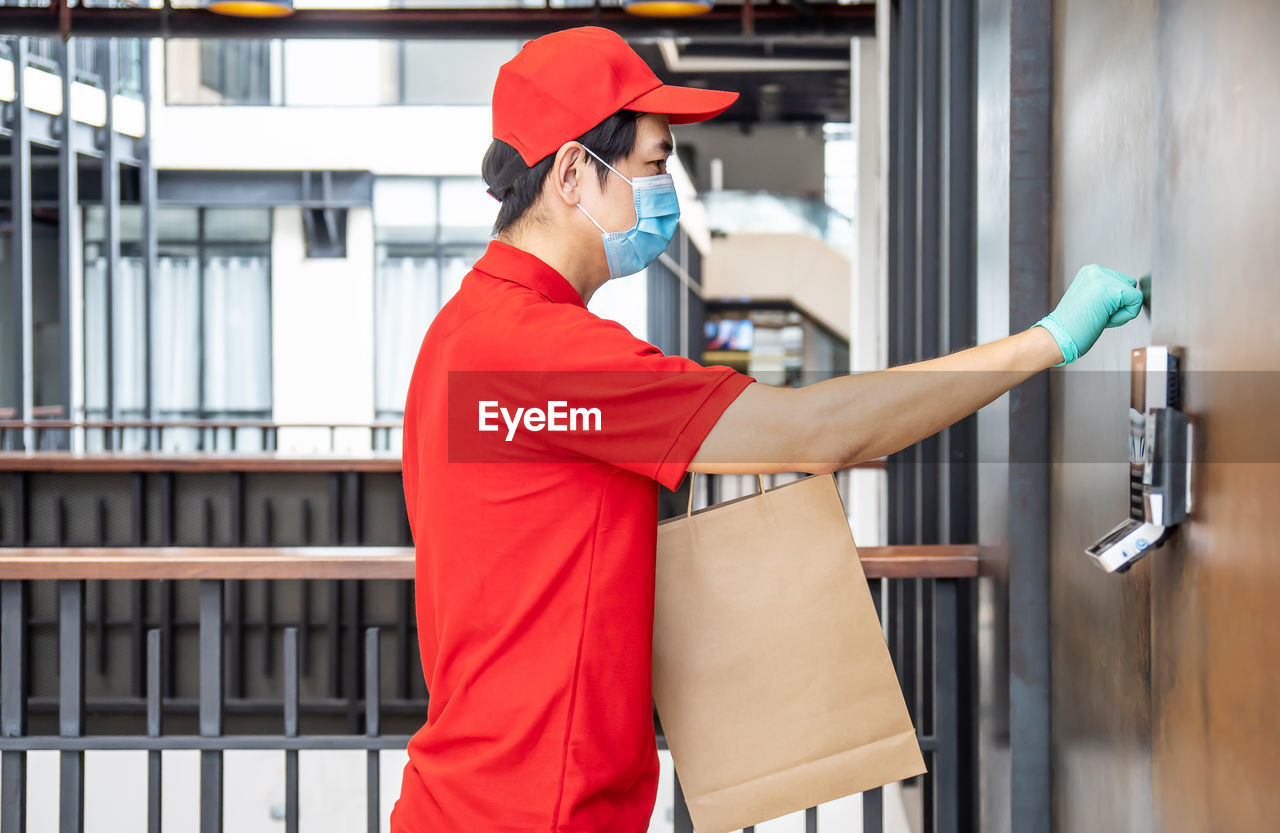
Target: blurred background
(251, 238)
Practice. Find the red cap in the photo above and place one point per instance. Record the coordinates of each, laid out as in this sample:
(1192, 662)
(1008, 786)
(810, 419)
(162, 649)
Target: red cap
(561, 85)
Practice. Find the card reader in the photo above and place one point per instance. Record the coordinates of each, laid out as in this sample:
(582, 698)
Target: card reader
(1160, 451)
(1116, 551)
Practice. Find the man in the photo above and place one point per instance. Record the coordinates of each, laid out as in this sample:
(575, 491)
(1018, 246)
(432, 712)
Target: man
(535, 546)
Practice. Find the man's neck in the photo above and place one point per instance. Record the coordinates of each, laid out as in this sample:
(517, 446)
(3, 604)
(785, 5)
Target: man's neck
(567, 259)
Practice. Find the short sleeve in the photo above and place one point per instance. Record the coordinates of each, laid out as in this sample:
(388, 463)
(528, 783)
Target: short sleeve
(642, 410)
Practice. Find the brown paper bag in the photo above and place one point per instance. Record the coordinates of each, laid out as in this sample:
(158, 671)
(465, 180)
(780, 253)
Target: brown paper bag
(771, 675)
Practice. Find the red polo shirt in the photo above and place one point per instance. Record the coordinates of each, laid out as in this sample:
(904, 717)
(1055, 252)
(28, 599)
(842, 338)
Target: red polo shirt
(534, 571)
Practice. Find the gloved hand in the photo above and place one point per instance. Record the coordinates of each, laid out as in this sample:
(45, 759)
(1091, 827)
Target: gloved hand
(1096, 299)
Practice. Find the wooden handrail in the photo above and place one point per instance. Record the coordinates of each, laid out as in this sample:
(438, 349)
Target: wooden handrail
(949, 561)
(256, 461)
(36, 411)
(217, 461)
(922, 561)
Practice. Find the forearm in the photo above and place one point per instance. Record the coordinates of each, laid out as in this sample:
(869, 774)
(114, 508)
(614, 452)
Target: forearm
(878, 413)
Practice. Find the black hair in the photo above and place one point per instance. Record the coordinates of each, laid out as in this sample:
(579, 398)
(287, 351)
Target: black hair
(518, 186)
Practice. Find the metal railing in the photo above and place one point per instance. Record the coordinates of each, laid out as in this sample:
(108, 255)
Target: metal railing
(236, 501)
(213, 570)
(211, 741)
(90, 60)
(130, 556)
(754, 212)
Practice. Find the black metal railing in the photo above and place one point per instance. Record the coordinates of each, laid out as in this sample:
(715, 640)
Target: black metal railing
(210, 739)
(277, 717)
(136, 517)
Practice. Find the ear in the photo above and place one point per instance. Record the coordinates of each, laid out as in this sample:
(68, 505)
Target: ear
(567, 173)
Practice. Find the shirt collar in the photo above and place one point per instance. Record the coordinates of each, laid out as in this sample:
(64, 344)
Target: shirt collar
(502, 260)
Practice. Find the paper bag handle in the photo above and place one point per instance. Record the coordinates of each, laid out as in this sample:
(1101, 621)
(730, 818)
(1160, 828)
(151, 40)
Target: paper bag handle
(694, 474)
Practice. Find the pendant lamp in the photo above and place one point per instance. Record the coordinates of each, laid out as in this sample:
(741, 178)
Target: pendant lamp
(667, 8)
(251, 8)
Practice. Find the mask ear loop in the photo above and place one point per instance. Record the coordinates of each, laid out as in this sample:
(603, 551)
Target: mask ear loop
(592, 219)
(693, 474)
(607, 165)
(610, 167)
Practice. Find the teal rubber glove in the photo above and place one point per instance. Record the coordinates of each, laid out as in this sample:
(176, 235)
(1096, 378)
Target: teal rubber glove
(1096, 299)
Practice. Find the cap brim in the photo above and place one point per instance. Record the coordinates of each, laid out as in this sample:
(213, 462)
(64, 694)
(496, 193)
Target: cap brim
(683, 105)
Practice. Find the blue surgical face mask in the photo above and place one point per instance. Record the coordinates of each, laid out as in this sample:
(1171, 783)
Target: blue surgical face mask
(657, 213)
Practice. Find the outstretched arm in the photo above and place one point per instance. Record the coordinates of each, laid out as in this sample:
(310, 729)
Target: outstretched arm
(833, 424)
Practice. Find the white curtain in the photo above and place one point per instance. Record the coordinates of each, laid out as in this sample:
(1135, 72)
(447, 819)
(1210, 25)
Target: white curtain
(175, 333)
(407, 299)
(237, 340)
(130, 336)
(237, 345)
(453, 268)
(128, 355)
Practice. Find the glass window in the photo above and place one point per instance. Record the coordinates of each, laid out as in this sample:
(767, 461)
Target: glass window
(126, 331)
(841, 166)
(782, 343)
(404, 208)
(407, 297)
(171, 223)
(90, 58)
(237, 335)
(437, 71)
(238, 224)
(210, 323)
(174, 223)
(175, 321)
(412, 283)
(330, 73)
(130, 222)
(430, 231)
(182, 73)
(468, 212)
(218, 71)
(430, 209)
(129, 67)
(239, 71)
(177, 250)
(454, 267)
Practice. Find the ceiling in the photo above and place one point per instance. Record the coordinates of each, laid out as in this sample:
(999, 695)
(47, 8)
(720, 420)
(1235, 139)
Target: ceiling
(789, 59)
(777, 82)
